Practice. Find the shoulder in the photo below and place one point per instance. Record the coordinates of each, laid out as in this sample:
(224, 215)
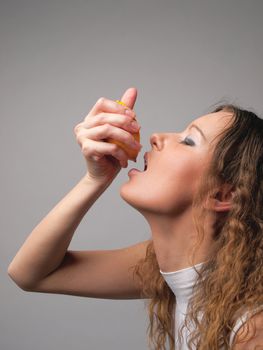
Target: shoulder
(250, 335)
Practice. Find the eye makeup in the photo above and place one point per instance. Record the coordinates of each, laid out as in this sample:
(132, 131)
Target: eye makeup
(187, 141)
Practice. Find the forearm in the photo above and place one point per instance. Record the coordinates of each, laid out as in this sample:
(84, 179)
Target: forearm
(45, 248)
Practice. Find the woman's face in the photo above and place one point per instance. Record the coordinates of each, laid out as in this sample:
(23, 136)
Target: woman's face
(175, 163)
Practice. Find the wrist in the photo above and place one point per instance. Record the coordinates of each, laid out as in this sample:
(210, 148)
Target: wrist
(99, 183)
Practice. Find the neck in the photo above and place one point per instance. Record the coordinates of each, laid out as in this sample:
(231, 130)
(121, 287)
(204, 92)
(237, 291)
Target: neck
(174, 241)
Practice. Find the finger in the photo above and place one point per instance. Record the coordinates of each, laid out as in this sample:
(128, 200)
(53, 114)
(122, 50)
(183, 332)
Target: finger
(97, 149)
(109, 106)
(129, 97)
(105, 131)
(119, 120)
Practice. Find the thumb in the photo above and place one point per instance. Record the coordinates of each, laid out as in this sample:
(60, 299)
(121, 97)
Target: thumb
(129, 97)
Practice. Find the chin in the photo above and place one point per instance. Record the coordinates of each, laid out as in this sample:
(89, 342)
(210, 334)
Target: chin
(128, 194)
(133, 196)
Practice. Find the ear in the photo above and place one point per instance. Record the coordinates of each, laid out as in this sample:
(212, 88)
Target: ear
(222, 202)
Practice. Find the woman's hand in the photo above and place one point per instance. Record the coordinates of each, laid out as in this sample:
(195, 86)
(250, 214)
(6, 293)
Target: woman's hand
(107, 119)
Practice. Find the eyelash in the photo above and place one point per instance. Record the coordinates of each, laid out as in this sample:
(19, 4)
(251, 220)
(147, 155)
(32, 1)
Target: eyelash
(187, 143)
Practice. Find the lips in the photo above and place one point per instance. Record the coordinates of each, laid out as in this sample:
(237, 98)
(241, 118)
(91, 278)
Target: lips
(137, 171)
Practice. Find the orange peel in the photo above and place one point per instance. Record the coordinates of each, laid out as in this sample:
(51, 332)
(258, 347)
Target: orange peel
(131, 152)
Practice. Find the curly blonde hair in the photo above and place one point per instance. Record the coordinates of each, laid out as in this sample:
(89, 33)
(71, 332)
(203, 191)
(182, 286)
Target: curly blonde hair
(230, 280)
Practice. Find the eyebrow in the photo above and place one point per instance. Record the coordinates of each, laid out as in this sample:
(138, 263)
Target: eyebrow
(201, 132)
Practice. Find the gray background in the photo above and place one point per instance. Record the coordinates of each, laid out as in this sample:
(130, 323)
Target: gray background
(57, 58)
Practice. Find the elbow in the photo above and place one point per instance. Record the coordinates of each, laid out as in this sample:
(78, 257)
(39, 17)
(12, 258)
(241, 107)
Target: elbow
(24, 285)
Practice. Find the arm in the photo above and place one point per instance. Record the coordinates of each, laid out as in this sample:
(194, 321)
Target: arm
(46, 246)
(106, 274)
(43, 262)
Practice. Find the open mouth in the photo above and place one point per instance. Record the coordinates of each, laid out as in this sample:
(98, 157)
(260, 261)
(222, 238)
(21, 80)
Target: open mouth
(133, 170)
(145, 162)
(145, 157)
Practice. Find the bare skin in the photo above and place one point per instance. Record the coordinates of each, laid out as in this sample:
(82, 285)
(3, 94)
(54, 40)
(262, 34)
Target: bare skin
(163, 194)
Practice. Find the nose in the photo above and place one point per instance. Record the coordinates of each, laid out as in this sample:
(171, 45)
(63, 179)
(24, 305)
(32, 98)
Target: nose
(156, 140)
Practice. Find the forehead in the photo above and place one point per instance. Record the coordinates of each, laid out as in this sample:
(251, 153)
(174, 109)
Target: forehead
(213, 123)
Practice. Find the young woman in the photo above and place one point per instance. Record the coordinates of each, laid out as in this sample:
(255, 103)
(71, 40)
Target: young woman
(202, 194)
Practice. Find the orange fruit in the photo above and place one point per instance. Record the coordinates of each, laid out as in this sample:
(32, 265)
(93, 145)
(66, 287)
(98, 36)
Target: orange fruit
(131, 152)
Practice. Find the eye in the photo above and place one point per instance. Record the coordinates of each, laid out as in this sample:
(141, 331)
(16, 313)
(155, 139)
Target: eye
(188, 142)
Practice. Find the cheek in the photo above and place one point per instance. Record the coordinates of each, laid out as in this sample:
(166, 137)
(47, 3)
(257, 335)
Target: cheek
(160, 191)
(165, 189)
(183, 170)
(175, 182)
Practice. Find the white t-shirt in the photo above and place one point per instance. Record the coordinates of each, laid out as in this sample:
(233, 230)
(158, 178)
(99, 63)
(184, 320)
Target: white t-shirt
(181, 283)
